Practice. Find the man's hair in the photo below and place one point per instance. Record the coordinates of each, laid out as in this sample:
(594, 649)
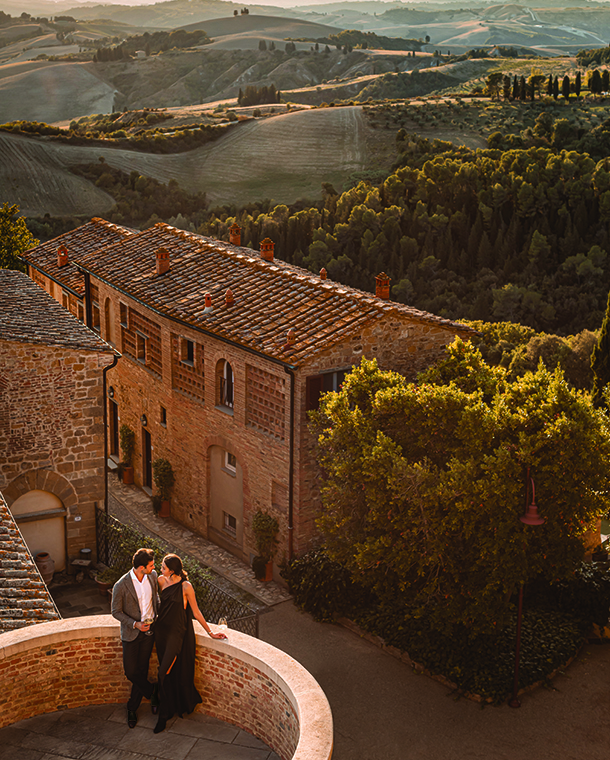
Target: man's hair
(142, 558)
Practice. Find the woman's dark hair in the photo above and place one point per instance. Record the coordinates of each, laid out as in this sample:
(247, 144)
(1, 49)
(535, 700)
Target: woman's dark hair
(174, 563)
(143, 557)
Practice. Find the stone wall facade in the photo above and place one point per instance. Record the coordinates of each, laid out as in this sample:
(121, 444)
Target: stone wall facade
(51, 431)
(243, 681)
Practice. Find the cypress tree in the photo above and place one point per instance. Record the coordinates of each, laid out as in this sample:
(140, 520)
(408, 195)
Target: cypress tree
(565, 87)
(556, 88)
(522, 88)
(600, 360)
(549, 85)
(515, 87)
(578, 84)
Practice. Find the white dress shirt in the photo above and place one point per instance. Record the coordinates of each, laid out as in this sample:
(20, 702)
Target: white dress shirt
(144, 594)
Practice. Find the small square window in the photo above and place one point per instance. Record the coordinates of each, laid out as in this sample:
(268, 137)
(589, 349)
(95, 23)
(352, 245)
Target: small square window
(163, 416)
(187, 351)
(230, 523)
(230, 461)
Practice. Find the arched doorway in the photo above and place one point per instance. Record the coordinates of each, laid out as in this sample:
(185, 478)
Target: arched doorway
(226, 500)
(41, 518)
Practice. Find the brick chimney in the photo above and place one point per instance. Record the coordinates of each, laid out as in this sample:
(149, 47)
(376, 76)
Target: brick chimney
(291, 337)
(62, 256)
(229, 298)
(382, 286)
(208, 303)
(162, 261)
(323, 274)
(235, 234)
(267, 246)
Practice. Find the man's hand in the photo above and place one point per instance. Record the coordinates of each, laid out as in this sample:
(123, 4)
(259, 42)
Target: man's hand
(142, 626)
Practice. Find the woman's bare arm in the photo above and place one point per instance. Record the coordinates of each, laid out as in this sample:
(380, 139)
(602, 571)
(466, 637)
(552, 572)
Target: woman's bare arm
(190, 596)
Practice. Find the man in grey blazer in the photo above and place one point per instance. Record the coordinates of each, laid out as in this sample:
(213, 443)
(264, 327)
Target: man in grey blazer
(135, 598)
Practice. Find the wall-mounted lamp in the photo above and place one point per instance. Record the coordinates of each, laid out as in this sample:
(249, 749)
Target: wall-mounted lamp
(111, 392)
(143, 420)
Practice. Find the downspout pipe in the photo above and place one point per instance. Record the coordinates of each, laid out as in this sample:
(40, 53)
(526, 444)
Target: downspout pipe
(291, 470)
(105, 392)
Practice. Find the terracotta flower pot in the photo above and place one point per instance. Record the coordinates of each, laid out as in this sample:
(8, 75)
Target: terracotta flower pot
(128, 476)
(164, 509)
(46, 566)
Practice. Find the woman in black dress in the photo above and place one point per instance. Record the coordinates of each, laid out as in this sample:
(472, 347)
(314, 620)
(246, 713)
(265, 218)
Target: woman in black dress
(175, 642)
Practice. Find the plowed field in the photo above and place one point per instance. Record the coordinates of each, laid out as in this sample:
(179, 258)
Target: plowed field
(283, 158)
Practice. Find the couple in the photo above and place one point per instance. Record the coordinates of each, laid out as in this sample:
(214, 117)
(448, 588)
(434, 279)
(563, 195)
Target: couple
(136, 602)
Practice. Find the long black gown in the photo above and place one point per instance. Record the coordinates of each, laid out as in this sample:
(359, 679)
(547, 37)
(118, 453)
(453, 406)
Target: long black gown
(175, 637)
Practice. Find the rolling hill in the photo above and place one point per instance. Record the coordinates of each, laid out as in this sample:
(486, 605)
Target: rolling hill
(285, 158)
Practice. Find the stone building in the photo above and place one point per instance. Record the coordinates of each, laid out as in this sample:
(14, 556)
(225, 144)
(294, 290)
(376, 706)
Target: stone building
(51, 419)
(224, 351)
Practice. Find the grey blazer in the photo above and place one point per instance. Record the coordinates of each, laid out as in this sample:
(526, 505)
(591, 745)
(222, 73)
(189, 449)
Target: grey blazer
(125, 605)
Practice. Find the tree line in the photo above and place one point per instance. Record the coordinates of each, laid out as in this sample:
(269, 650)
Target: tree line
(254, 96)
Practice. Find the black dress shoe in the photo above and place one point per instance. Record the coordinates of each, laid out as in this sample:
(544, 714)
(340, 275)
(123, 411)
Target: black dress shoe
(154, 700)
(132, 718)
(161, 723)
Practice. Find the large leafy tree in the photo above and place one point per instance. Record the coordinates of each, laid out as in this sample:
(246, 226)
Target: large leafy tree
(424, 483)
(15, 238)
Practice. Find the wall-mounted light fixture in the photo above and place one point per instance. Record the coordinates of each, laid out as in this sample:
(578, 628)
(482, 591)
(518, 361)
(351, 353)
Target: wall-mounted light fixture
(143, 420)
(111, 392)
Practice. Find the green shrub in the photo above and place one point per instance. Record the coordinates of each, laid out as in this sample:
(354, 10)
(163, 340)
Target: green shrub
(322, 587)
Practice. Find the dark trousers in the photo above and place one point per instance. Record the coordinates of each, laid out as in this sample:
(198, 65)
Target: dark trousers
(136, 656)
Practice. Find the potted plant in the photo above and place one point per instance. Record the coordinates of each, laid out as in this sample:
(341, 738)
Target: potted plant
(128, 447)
(106, 579)
(164, 478)
(265, 528)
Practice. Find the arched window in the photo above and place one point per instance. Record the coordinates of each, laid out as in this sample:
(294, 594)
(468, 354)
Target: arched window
(224, 384)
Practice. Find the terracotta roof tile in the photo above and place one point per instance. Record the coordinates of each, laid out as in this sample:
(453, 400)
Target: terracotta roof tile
(270, 297)
(96, 234)
(29, 315)
(24, 597)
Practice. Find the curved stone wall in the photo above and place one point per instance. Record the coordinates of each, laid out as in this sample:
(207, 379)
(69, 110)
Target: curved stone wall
(244, 681)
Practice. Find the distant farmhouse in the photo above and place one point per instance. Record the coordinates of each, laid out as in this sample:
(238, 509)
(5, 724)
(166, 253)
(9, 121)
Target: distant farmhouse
(51, 442)
(224, 350)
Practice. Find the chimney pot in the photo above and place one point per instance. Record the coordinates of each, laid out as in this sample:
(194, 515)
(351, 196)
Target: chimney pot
(208, 303)
(382, 286)
(162, 260)
(323, 274)
(267, 246)
(235, 234)
(229, 298)
(291, 337)
(62, 256)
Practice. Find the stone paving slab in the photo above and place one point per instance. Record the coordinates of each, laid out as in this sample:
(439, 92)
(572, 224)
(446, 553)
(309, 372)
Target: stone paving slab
(139, 507)
(100, 732)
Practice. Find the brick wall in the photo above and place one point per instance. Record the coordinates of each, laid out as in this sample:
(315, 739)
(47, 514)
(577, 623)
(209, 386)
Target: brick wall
(245, 682)
(252, 430)
(51, 430)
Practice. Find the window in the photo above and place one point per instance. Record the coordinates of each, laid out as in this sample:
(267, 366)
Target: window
(229, 523)
(65, 300)
(224, 376)
(163, 416)
(141, 348)
(81, 312)
(316, 385)
(230, 462)
(187, 351)
(108, 325)
(123, 314)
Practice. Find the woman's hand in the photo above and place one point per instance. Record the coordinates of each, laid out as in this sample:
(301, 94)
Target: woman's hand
(217, 635)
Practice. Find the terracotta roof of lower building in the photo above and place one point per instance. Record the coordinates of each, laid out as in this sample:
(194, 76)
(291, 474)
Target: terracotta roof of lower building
(96, 234)
(268, 298)
(29, 315)
(24, 596)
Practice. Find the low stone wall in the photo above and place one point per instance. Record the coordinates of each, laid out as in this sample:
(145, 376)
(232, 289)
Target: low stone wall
(244, 681)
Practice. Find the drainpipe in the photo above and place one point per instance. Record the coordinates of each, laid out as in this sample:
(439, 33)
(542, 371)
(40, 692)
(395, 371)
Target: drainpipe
(88, 309)
(291, 470)
(104, 387)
